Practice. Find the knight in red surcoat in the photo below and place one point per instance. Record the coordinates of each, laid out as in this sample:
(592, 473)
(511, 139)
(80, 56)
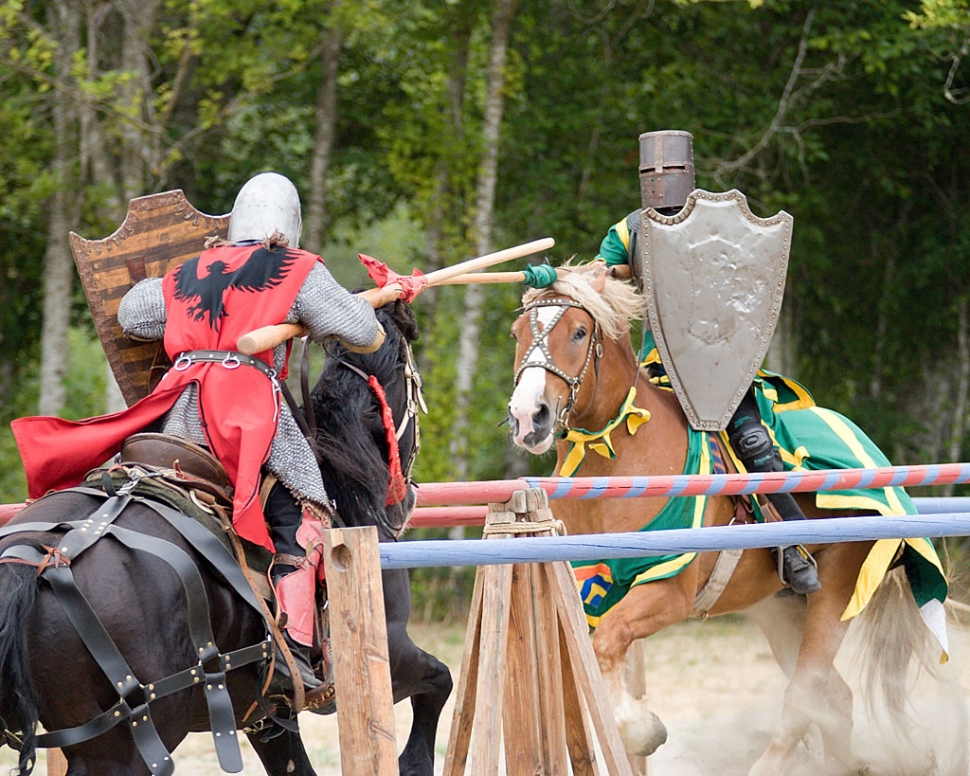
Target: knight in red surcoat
(224, 400)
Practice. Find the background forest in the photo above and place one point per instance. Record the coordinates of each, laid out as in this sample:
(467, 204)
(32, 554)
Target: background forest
(424, 132)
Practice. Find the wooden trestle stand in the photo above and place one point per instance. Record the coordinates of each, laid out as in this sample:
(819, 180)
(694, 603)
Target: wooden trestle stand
(529, 677)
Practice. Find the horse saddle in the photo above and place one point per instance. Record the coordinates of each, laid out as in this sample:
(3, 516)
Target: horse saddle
(188, 460)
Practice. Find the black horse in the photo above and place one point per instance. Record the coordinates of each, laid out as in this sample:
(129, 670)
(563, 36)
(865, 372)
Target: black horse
(170, 643)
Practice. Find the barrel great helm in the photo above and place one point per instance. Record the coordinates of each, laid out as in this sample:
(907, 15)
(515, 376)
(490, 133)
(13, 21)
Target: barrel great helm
(267, 203)
(666, 169)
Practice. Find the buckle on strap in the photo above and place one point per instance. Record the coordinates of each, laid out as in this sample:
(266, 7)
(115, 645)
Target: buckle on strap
(229, 359)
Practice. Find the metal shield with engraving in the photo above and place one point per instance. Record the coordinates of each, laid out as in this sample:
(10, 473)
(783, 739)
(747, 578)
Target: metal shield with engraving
(159, 232)
(714, 279)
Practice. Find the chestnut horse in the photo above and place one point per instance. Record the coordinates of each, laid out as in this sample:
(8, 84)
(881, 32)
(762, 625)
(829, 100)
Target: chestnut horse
(574, 368)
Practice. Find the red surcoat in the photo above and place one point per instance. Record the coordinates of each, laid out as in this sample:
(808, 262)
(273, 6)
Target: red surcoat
(210, 303)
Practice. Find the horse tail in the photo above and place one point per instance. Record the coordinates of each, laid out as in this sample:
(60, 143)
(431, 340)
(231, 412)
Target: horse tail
(895, 641)
(18, 697)
(904, 679)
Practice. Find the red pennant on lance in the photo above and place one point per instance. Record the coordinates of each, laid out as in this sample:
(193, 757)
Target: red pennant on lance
(381, 274)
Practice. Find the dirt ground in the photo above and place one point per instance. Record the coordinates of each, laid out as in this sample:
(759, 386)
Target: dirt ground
(714, 684)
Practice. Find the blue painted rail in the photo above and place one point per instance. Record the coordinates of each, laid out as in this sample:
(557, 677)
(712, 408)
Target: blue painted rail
(546, 549)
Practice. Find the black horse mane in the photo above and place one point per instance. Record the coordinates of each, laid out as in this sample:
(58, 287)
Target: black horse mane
(350, 433)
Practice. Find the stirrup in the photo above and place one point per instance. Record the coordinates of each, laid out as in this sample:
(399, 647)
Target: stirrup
(802, 571)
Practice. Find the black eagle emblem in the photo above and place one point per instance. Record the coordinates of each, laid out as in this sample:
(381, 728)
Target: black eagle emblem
(263, 269)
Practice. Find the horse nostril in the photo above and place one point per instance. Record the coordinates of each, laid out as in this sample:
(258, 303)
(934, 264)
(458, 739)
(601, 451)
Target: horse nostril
(542, 417)
(512, 421)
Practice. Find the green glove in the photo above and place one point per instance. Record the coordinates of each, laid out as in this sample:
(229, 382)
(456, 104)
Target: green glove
(540, 276)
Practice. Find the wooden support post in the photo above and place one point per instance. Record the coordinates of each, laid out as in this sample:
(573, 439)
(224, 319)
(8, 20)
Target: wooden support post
(529, 677)
(362, 675)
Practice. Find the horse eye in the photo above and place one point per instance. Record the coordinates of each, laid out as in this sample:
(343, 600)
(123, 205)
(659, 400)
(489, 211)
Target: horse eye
(580, 334)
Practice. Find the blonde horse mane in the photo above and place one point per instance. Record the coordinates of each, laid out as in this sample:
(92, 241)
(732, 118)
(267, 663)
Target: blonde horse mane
(614, 309)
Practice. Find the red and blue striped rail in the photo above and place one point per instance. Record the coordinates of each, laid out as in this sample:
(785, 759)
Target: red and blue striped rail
(453, 493)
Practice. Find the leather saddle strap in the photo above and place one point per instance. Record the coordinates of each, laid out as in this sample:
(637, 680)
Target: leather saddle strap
(232, 571)
(299, 691)
(99, 643)
(724, 566)
(184, 679)
(221, 717)
(220, 706)
(210, 548)
(103, 648)
(202, 540)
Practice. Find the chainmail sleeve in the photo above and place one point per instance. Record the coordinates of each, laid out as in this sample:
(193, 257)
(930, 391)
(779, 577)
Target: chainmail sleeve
(328, 309)
(141, 313)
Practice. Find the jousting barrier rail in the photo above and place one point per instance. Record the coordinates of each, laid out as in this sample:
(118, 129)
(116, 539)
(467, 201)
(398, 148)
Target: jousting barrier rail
(444, 503)
(526, 617)
(474, 552)
(441, 504)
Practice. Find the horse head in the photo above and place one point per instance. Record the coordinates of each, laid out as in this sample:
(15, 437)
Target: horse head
(365, 409)
(562, 337)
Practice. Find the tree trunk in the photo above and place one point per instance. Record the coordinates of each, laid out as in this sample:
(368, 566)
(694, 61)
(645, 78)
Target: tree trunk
(958, 419)
(139, 150)
(437, 220)
(58, 264)
(503, 12)
(325, 122)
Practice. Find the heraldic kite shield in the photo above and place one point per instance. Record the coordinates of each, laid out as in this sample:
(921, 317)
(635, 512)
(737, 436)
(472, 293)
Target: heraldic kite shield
(160, 232)
(714, 277)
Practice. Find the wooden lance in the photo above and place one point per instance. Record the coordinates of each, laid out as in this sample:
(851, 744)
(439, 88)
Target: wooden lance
(270, 336)
(618, 271)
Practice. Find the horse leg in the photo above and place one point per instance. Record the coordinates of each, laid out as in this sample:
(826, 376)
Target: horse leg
(816, 693)
(415, 674)
(781, 618)
(283, 754)
(645, 609)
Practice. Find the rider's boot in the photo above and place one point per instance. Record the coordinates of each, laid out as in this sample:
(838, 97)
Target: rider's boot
(751, 443)
(291, 585)
(297, 535)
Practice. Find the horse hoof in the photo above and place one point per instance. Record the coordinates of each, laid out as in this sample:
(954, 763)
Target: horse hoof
(641, 730)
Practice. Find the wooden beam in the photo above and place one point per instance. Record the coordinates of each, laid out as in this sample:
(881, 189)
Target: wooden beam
(362, 674)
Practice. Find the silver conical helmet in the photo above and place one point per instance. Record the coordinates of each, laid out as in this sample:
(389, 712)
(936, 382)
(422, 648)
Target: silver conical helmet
(267, 203)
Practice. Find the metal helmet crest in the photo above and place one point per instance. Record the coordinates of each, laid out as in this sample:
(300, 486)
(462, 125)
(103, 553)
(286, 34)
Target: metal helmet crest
(666, 169)
(267, 203)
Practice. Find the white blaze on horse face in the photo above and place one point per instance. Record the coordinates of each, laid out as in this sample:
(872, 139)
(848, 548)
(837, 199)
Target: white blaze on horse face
(529, 393)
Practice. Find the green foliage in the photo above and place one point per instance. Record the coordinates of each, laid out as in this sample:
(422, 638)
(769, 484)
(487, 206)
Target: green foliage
(864, 143)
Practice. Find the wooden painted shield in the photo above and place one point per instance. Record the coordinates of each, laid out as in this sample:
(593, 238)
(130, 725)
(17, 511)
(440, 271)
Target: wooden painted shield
(159, 232)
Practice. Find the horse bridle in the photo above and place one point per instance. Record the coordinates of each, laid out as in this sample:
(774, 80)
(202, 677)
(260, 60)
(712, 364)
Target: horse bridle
(539, 343)
(415, 401)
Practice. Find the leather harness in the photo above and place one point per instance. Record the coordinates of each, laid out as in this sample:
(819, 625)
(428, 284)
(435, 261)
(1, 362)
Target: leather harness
(135, 696)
